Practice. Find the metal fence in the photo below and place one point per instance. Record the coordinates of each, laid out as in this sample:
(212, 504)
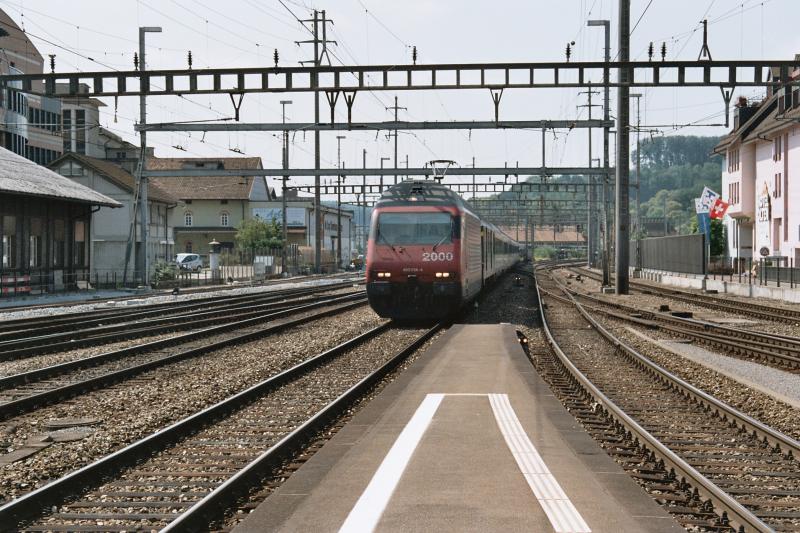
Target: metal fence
(32, 282)
(234, 266)
(675, 253)
(774, 271)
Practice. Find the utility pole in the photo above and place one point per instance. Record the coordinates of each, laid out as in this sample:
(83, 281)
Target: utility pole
(316, 62)
(637, 187)
(622, 218)
(474, 187)
(396, 109)
(339, 202)
(285, 232)
(364, 225)
(142, 260)
(591, 196)
(606, 24)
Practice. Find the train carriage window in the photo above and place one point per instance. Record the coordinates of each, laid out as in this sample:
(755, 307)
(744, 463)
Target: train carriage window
(417, 228)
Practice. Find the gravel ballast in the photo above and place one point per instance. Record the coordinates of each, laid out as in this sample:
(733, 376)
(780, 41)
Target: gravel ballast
(152, 400)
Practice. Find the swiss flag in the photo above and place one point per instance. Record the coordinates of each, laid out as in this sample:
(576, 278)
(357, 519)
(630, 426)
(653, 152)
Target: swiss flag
(719, 208)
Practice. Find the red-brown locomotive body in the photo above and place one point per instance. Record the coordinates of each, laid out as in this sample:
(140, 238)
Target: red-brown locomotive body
(429, 253)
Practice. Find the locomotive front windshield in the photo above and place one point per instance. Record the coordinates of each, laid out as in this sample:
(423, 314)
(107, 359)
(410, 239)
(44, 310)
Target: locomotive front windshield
(416, 228)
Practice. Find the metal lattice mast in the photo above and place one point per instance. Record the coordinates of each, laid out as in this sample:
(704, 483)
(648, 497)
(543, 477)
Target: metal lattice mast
(396, 108)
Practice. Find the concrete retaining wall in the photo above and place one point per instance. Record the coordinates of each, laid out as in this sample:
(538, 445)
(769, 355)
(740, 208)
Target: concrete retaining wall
(696, 281)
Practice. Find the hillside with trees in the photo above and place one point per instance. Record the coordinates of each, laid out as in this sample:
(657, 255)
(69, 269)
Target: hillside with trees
(674, 172)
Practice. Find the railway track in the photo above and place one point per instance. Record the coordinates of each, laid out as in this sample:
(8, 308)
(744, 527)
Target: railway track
(710, 465)
(188, 290)
(738, 307)
(30, 390)
(779, 351)
(183, 477)
(29, 338)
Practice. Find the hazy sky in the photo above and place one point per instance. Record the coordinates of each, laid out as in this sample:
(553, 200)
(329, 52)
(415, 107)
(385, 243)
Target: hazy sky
(245, 33)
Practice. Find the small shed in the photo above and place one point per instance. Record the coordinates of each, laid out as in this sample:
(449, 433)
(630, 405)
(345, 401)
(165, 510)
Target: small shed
(45, 222)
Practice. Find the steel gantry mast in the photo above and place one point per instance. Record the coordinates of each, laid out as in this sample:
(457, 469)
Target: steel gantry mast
(622, 218)
(592, 232)
(396, 108)
(315, 85)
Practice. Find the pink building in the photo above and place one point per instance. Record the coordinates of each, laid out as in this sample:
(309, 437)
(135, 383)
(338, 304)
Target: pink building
(760, 176)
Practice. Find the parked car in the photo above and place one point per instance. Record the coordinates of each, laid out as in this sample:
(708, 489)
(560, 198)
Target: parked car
(192, 262)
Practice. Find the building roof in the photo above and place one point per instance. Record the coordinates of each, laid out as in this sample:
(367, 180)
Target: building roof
(767, 119)
(206, 187)
(103, 132)
(742, 133)
(22, 176)
(118, 175)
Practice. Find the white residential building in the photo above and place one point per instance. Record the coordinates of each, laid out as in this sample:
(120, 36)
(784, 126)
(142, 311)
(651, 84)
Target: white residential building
(759, 179)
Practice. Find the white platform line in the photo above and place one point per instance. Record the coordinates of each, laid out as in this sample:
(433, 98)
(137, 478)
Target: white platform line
(366, 513)
(562, 514)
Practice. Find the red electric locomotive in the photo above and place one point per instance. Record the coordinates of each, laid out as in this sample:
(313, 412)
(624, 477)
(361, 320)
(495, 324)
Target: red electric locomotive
(429, 253)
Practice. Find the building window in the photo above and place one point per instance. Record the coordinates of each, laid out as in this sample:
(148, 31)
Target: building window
(188, 247)
(733, 160)
(187, 218)
(80, 250)
(777, 148)
(66, 129)
(224, 219)
(120, 155)
(80, 131)
(35, 248)
(776, 190)
(59, 242)
(9, 241)
(223, 202)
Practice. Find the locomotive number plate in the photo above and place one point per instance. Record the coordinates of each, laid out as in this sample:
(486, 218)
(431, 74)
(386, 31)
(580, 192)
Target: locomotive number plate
(437, 256)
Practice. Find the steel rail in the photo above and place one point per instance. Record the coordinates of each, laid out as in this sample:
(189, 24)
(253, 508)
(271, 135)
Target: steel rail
(12, 329)
(28, 346)
(746, 422)
(158, 293)
(95, 360)
(780, 314)
(200, 514)
(35, 401)
(736, 341)
(33, 503)
(728, 507)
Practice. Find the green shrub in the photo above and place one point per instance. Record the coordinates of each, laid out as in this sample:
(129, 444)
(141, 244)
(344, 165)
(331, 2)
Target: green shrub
(164, 271)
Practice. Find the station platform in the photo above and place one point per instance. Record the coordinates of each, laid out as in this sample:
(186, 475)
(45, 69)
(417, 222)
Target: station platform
(468, 438)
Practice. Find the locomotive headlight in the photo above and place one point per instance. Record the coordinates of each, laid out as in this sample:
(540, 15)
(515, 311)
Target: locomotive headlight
(384, 274)
(442, 274)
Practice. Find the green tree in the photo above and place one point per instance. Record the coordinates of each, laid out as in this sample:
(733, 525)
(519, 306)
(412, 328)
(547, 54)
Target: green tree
(257, 234)
(717, 235)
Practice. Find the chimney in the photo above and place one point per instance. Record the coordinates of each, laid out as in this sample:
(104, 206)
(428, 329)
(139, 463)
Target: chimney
(743, 112)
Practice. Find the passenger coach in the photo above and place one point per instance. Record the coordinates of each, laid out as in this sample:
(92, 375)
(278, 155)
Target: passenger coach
(429, 253)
